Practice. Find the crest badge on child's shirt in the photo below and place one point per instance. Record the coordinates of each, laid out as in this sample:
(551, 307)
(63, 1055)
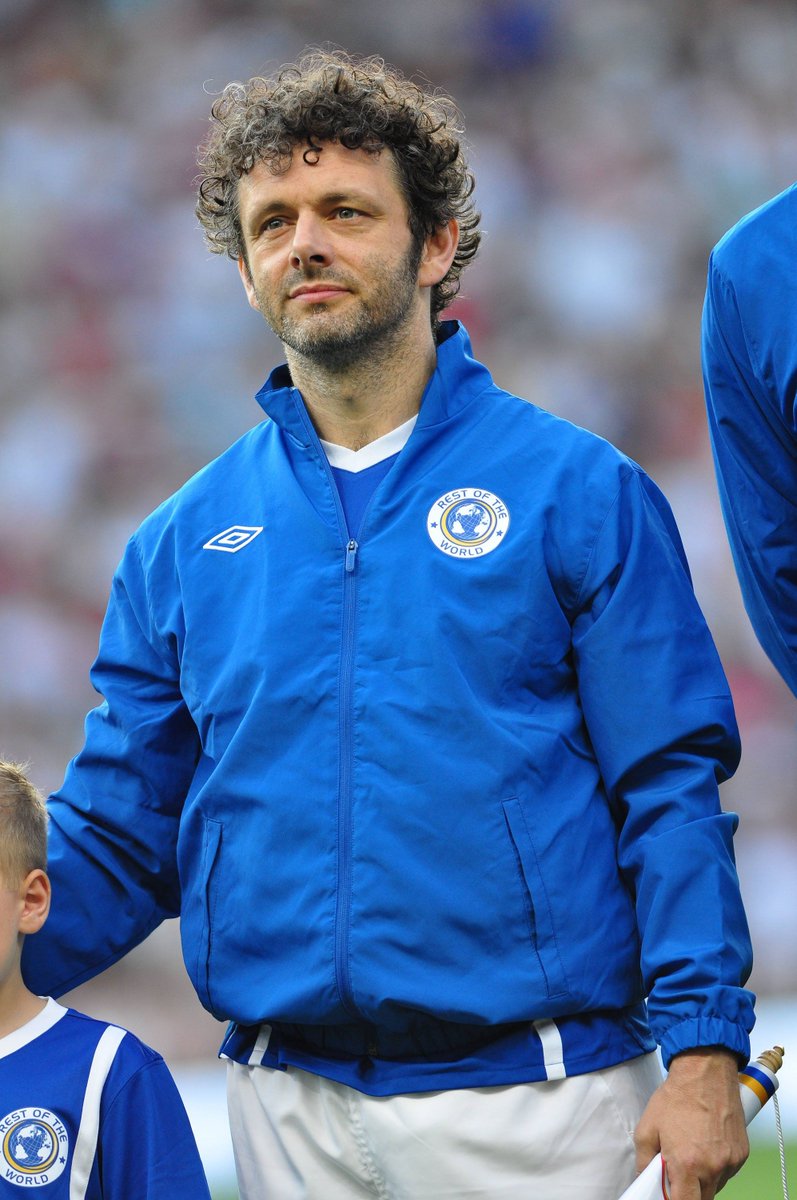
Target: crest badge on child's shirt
(35, 1146)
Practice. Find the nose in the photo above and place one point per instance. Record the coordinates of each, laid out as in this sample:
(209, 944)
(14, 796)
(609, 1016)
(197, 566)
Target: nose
(311, 244)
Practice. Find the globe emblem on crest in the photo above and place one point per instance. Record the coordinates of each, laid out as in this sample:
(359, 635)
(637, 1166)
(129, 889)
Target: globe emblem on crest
(35, 1147)
(467, 522)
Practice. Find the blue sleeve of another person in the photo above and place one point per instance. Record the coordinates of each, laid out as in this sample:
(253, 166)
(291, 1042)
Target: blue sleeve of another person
(750, 377)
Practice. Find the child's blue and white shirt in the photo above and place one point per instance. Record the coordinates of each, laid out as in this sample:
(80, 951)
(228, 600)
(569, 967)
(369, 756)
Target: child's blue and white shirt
(88, 1112)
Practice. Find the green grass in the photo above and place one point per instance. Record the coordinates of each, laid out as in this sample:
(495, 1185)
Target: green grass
(759, 1178)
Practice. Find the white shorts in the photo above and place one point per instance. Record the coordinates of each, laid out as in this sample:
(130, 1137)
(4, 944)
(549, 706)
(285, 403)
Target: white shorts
(299, 1136)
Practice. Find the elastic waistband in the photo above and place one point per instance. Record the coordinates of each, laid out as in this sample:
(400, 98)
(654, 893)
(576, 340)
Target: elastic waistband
(433, 1053)
(425, 1038)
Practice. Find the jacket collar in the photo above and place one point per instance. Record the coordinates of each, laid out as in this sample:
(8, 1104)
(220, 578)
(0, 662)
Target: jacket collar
(458, 379)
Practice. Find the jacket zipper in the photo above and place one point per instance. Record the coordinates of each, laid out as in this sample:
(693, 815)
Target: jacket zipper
(346, 723)
(343, 904)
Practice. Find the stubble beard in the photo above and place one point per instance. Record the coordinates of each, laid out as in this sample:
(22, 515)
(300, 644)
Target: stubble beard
(374, 325)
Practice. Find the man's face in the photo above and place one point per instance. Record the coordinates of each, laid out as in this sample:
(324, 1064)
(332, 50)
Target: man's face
(332, 265)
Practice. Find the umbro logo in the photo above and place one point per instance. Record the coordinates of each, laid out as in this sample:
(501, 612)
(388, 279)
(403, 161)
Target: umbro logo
(233, 539)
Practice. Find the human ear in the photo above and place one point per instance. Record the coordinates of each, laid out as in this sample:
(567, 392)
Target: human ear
(438, 254)
(246, 280)
(34, 894)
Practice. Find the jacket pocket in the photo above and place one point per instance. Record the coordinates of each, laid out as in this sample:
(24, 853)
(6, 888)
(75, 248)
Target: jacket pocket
(211, 850)
(542, 930)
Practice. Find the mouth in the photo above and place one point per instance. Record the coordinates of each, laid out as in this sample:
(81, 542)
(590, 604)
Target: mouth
(317, 293)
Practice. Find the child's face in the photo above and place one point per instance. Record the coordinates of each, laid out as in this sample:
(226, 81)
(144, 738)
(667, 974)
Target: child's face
(23, 909)
(10, 940)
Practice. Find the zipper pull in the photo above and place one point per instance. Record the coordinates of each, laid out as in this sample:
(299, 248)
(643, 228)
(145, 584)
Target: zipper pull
(351, 555)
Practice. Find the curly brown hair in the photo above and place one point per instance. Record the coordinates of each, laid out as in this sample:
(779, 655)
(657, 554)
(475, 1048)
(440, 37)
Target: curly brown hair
(362, 104)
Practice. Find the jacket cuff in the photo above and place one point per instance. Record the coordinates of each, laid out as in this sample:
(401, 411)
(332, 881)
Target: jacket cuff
(705, 1031)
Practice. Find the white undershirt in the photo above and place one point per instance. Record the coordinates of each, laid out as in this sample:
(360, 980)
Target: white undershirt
(375, 452)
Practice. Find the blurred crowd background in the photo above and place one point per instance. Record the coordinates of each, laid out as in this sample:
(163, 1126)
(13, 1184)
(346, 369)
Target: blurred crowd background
(613, 141)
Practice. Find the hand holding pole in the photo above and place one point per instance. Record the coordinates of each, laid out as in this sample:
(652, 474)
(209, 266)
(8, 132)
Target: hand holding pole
(757, 1083)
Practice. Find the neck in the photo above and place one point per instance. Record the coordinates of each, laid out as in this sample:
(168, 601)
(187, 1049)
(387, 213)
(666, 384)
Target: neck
(354, 405)
(18, 1005)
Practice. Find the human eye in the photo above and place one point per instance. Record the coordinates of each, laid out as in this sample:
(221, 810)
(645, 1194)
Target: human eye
(347, 213)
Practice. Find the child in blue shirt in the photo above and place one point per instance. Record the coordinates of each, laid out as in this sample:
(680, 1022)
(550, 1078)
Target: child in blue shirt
(87, 1111)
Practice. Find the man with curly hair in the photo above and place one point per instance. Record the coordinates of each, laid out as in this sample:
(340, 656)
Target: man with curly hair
(412, 716)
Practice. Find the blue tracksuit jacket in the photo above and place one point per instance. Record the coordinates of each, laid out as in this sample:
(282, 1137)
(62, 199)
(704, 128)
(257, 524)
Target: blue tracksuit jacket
(750, 373)
(460, 774)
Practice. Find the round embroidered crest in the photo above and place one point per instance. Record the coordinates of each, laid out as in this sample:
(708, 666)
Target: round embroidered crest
(468, 522)
(35, 1147)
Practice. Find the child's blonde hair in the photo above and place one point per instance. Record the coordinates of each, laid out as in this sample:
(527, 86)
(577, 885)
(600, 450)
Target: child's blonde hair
(23, 825)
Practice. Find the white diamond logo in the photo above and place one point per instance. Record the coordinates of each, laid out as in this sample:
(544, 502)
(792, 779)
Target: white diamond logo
(233, 539)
